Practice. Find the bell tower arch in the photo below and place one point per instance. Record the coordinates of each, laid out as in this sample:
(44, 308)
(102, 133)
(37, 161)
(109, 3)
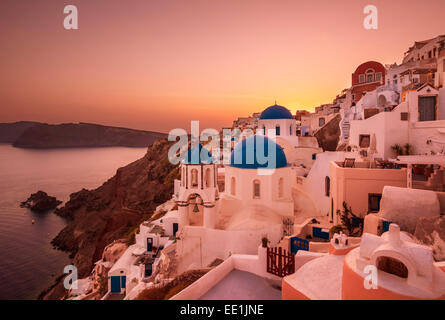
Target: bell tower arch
(198, 192)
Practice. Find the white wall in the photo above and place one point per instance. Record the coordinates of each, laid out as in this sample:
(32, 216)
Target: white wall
(287, 126)
(198, 246)
(269, 188)
(256, 264)
(387, 127)
(314, 184)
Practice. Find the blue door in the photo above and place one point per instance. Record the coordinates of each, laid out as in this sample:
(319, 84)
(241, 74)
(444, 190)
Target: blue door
(319, 233)
(298, 244)
(175, 228)
(386, 225)
(123, 282)
(116, 284)
(150, 244)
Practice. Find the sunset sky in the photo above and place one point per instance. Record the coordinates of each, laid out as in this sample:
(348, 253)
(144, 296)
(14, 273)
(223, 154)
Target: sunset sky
(157, 64)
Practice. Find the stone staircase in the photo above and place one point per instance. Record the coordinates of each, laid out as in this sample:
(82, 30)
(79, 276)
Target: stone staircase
(345, 125)
(436, 180)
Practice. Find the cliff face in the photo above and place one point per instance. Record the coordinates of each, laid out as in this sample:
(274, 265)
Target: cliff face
(9, 132)
(329, 135)
(112, 211)
(72, 135)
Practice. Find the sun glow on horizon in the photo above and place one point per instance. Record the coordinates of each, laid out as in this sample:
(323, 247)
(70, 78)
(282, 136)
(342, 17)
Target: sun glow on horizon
(156, 65)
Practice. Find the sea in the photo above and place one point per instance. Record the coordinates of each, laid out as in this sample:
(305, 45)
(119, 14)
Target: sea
(28, 262)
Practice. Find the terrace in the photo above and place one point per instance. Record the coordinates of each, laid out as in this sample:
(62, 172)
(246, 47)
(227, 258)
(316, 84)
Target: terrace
(253, 288)
(424, 171)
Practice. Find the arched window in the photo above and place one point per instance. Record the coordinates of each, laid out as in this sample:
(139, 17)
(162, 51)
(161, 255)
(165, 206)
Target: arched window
(233, 186)
(277, 130)
(327, 186)
(208, 177)
(194, 177)
(392, 266)
(280, 188)
(256, 189)
(370, 75)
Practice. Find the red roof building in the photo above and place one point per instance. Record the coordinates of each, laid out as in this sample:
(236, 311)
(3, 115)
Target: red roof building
(367, 77)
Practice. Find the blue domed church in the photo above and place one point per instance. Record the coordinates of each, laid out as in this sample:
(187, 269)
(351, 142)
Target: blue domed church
(278, 123)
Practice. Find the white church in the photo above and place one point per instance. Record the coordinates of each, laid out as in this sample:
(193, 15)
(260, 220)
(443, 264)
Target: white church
(257, 196)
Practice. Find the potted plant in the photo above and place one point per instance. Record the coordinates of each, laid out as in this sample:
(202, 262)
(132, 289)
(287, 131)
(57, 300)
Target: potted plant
(335, 229)
(408, 149)
(264, 241)
(397, 149)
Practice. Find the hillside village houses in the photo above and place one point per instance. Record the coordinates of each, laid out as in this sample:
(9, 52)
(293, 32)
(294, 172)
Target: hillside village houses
(315, 221)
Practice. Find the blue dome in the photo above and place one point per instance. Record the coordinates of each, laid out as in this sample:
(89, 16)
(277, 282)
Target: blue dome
(276, 112)
(252, 153)
(198, 155)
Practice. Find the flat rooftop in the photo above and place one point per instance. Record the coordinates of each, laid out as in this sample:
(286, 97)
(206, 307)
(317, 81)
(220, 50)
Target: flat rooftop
(241, 285)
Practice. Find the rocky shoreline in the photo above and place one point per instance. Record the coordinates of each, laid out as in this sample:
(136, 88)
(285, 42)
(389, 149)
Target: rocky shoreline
(113, 211)
(40, 202)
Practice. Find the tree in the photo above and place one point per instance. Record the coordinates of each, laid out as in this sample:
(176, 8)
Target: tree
(351, 222)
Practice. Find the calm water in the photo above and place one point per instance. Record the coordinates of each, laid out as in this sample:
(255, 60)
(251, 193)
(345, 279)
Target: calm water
(28, 264)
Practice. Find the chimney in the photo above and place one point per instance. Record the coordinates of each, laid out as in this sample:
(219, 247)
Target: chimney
(394, 234)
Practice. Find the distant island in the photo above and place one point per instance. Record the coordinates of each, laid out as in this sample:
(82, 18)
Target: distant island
(26, 134)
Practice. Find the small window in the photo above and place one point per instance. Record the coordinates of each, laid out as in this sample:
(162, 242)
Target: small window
(364, 140)
(327, 186)
(378, 76)
(277, 130)
(194, 178)
(404, 116)
(233, 186)
(370, 75)
(361, 78)
(208, 177)
(314, 156)
(256, 189)
(374, 202)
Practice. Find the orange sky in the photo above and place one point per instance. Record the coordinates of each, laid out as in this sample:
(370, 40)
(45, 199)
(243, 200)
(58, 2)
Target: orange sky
(158, 64)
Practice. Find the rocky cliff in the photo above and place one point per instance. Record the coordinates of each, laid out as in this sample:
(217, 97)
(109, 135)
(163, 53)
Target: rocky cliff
(9, 132)
(113, 211)
(40, 202)
(329, 134)
(73, 135)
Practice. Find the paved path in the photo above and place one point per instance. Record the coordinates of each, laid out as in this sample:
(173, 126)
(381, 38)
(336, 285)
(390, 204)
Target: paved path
(241, 285)
(115, 296)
